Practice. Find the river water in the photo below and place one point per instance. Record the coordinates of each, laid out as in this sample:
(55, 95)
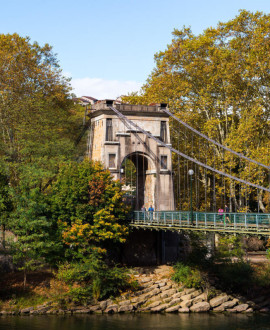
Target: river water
(137, 321)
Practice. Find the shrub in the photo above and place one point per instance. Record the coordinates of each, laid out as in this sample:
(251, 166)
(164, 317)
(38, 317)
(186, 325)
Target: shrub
(236, 276)
(189, 276)
(96, 279)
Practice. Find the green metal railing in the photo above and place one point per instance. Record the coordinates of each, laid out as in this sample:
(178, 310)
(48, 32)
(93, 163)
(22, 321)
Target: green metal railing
(233, 222)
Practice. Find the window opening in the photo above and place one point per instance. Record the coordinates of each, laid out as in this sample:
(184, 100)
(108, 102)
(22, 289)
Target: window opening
(109, 135)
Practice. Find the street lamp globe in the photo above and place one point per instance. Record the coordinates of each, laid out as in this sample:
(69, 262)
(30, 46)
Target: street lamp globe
(190, 172)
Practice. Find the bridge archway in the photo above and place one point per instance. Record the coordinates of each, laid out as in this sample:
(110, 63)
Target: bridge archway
(137, 174)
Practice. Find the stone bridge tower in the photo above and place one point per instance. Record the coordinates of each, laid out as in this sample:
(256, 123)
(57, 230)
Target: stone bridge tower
(112, 142)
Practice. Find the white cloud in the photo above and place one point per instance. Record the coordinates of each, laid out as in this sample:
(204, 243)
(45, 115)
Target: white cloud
(103, 89)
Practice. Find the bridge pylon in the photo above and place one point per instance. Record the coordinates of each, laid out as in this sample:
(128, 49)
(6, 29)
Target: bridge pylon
(113, 142)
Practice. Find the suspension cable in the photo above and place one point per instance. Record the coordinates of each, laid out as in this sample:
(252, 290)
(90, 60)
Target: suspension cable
(213, 141)
(130, 122)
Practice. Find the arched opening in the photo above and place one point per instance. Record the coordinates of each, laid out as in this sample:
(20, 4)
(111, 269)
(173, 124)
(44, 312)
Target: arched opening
(134, 171)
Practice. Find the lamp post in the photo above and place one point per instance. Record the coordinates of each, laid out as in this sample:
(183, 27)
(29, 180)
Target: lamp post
(190, 173)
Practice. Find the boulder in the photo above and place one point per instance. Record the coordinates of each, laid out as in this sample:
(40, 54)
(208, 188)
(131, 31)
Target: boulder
(249, 310)
(230, 303)
(27, 310)
(200, 307)
(231, 310)
(145, 279)
(196, 293)
(218, 300)
(265, 310)
(183, 310)
(94, 308)
(103, 305)
(172, 309)
(186, 297)
(111, 309)
(150, 288)
(124, 303)
(186, 303)
(41, 310)
(126, 308)
(175, 301)
(155, 298)
(154, 304)
(178, 294)
(166, 287)
(161, 284)
(159, 308)
(241, 308)
(82, 311)
(187, 291)
(219, 309)
(167, 293)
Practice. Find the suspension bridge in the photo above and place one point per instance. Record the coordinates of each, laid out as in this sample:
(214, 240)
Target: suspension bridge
(134, 143)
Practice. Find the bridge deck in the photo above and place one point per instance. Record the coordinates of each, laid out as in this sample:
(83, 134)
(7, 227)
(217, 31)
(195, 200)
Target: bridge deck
(242, 223)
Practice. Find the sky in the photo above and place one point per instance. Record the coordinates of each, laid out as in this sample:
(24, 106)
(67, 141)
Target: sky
(107, 47)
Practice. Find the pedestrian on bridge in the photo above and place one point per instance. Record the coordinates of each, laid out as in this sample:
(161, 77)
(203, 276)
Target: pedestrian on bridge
(220, 213)
(227, 214)
(151, 210)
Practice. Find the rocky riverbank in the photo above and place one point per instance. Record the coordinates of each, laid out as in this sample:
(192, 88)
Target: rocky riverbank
(158, 294)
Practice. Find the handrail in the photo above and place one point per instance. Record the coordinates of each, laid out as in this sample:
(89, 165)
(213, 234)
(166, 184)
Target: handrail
(253, 222)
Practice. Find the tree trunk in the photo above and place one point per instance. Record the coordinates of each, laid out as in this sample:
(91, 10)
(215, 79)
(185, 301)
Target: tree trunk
(24, 279)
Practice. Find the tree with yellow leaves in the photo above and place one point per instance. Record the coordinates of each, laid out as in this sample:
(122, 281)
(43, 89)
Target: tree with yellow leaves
(219, 83)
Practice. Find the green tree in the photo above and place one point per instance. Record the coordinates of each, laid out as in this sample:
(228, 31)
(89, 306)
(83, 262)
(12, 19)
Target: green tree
(6, 205)
(38, 121)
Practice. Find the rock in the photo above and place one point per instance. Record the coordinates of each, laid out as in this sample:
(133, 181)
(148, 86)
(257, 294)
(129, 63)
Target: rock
(124, 303)
(251, 303)
(178, 294)
(188, 291)
(196, 293)
(183, 310)
(159, 308)
(202, 296)
(3, 313)
(175, 301)
(186, 297)
(249, 310)
(145, 279)
(265, 310)
(167, 293)
(172, 309)
(218, 300)
(155, 292)
(241, 308)
(154, 304)
(219, 309)
(83, 311)
(140, 302)
(200, 307)
(41, 310)
(230, 304)
(161, 284)
(231, 310)
(186, 303)
(103, 305)
(126, 308)
(94, 308)
(111, 309)
(166, 287)
(26, 310)
(150, 288)
(155, 298)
